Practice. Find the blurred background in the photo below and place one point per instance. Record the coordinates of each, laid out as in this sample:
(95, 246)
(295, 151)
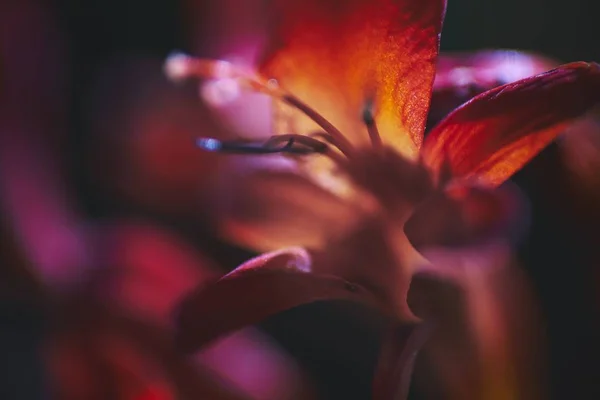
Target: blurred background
(98, 169)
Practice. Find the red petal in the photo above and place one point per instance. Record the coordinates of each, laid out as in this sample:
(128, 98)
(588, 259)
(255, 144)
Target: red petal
(396, 361)
(338, 55)
(499, 131)
(150, 270)
(98, 352)
(467, 215)
(461, 76)
(262, 287)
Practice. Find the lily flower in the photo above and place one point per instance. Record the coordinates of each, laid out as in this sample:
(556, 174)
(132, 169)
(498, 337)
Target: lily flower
(351, 86)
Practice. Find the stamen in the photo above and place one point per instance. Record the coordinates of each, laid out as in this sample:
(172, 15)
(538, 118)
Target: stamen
(180, 66)
(309, 142)
(289, 140)
(290, 144)
(293, 144)
(339, 140)
(369, 120)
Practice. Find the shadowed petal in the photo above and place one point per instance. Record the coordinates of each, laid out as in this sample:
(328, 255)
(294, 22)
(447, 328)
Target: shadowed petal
(149, 270)
(262, 287)
(581, 154)
(337, 56)
(488, 341)
(467, 215)
(97, 352)
(396, 361)
(495, 134)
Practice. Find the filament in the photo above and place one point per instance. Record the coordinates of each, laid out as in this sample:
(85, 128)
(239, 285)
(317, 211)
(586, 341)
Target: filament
(369, 121)
(291, 144)
(180, 66)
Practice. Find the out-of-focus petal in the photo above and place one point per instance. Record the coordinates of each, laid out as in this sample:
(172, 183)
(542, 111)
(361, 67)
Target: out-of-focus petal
(17, 276)
(149, 270)
(396, 361)
(581, 153)
(96, 352)
(267, 207)
(239, 39)
(495, 134)
(338, 56)
(264, 286)
(488, 342)
(461, 76)
(467, 215)
(32, 110)
(144, 132)
(488, 68)
(257, 365)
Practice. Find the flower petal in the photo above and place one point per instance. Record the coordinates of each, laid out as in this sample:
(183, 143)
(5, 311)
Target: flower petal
(467, 215)
(488, 338)
(264, 207)
(148, 270)
(461, 76)
(396, 361)
(492, 136)
(341, 56)
(264, 286)
(98, 352)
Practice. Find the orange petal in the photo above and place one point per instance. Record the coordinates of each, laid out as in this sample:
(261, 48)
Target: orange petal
(262, 287)
(488, 68)
(266, 208)
(581, 153)
(492, 136)
(337, 56)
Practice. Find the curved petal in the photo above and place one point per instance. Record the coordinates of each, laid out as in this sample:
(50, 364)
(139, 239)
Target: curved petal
(148, 270)
(267, 207)
(396, 361)
(492, 136)
(340, 56)
(488, 338)
(581, 153)
(262, 287)
(461, 76)
(97, 352)
(468, 215)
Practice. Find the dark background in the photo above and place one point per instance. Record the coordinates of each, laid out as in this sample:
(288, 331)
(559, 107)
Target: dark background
(558, 253)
